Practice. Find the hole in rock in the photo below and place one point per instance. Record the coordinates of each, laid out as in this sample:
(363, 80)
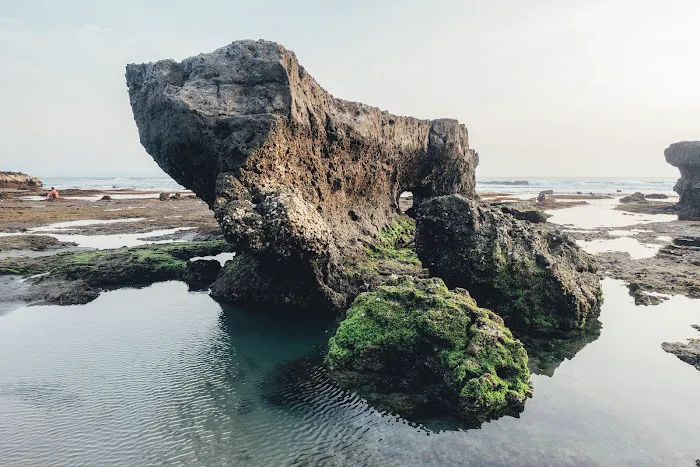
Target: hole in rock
(406, 203)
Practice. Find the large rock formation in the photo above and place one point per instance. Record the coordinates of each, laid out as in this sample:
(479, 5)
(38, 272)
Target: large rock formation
(686, 156)
(299, 180)
(420, 350)
(534, 277)
(18, 180)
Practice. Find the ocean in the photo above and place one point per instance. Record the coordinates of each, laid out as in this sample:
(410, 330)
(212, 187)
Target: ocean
(519, 185)
(150, 183)
(572, 185)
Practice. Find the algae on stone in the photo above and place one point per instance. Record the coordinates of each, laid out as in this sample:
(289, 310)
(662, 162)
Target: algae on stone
(414, 347)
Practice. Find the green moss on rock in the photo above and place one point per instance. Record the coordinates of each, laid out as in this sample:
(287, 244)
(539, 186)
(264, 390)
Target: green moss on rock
(391, 254)
(78, 277)
(433, 350)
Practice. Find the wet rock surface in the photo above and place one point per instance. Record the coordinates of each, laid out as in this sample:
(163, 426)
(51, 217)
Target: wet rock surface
(79, 277)
(686, 156)
(300, 181)
(415, 348)
(688, 352)
(535, 277)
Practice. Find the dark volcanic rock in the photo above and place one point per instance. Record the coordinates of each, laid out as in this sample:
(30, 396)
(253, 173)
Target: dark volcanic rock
(686, 156)
(200, 274)
(634, 198)
(534, 277)
(299, 180)
(18, 180)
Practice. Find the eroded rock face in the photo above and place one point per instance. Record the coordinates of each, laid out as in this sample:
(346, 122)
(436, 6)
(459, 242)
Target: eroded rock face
(18, 180)
(534, 277)
(415, 348)
(298, 179)
(686, 156)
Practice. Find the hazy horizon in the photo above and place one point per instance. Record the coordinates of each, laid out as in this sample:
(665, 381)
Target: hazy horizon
(582, 89)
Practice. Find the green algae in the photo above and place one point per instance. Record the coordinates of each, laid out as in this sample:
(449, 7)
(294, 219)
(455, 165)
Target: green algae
(388, 332)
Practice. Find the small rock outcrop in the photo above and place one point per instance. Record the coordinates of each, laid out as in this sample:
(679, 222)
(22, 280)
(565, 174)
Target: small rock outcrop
(524, 212)
(18, 180)
(299, 180)
(656, 196)
(689, 352)
(686, 156)
(534, 277)
(420, 350)
(200, 274)
(637, 197)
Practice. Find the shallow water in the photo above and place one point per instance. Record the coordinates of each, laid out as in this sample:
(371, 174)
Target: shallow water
(163, 376)
(602, 213)
(625, 244)
(100, 242)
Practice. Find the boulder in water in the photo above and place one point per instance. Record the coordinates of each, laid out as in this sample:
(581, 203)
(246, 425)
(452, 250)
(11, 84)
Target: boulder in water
(536, 278)
(686, 156)
(415, 348)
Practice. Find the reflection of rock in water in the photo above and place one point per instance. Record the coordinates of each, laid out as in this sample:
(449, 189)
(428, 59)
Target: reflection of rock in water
(546, 352)
(303, 386)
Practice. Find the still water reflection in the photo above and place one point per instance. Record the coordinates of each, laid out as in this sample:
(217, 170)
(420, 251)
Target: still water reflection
(163, 376)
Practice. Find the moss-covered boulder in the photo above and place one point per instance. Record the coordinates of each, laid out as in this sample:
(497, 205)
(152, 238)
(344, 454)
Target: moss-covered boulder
(534, 276)
(418, 349)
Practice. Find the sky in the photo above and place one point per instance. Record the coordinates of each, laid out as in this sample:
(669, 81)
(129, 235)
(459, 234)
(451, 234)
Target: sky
(546, 87)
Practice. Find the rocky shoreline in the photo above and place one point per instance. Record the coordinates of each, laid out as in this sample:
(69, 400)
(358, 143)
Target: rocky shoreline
(445, 301)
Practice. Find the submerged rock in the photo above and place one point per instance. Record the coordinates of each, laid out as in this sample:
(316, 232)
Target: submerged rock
(534, 277)
(18, 180)
(418, 349)
(686, 156)
(299, 180)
